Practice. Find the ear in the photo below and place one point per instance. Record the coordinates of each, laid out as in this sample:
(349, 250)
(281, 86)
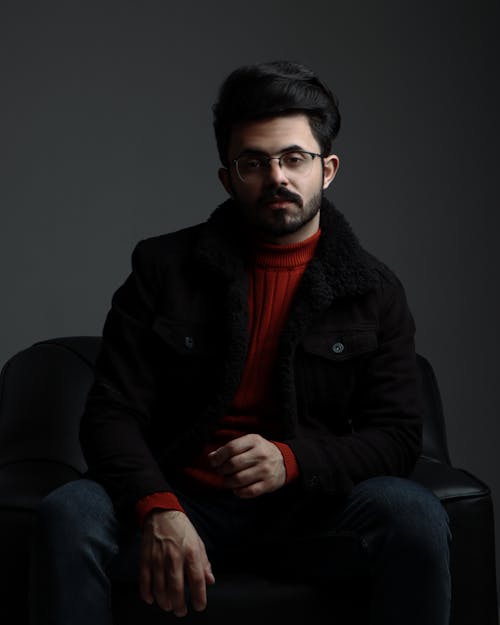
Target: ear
(225, 180)
(330, 168)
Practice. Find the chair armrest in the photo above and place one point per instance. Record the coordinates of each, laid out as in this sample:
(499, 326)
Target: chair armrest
(24, 484)
(447, 482)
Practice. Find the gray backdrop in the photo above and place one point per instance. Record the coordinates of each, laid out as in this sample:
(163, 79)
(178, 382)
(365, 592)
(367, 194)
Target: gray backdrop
(105, 138)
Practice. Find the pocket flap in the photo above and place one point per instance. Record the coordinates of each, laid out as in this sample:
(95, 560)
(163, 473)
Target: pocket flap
(184, 337)
(341, 344)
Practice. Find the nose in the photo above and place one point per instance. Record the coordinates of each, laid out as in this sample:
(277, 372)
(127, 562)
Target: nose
(275, 172)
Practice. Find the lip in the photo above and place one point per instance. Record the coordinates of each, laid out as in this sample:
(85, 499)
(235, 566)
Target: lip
(279, 204)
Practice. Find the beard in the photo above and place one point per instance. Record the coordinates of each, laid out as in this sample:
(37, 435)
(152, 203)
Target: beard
(275, 222)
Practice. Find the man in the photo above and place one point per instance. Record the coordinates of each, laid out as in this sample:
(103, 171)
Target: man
(257, 381)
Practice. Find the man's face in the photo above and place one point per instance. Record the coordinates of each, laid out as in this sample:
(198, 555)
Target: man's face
(281, 205)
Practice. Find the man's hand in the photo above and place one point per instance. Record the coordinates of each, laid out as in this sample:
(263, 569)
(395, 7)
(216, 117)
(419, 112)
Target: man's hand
(171, 553)
(251, 465)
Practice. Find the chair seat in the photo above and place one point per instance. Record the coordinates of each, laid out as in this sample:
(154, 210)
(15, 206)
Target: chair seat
(249, 600)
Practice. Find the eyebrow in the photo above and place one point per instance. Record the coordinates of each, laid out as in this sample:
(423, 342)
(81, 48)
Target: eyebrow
(289, 148)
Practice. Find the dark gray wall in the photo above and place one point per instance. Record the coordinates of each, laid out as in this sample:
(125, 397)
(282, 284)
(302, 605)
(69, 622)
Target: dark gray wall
(105, 138)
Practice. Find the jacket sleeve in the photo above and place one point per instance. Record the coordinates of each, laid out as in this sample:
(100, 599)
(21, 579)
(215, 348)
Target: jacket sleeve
(121, 401)
(385, 412)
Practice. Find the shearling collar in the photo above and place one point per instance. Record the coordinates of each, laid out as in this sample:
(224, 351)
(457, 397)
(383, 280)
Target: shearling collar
(340, 267)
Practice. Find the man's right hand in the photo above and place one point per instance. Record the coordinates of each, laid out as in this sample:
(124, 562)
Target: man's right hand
(171, 553)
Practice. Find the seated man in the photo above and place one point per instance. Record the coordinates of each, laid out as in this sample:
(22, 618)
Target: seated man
(256, 387)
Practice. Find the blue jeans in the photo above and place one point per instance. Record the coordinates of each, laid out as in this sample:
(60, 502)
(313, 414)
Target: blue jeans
(390, 529)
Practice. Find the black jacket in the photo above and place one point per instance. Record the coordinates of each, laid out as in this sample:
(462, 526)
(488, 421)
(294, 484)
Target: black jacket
(174, 347)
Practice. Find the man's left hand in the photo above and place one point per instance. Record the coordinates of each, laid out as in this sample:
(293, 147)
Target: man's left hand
(250, 465)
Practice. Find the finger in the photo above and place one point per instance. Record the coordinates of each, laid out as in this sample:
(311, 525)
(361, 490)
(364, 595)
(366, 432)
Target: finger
(207, 567)
(197, 584)
(145, 584)
(218, 457)
(238, 463)
(160, 583)
(243, 478)
(209, 575)
(252, 490)
(175, 587)
(145, 577)
(233, 448)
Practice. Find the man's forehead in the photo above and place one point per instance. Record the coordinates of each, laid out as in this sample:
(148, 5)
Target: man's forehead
(272, 135)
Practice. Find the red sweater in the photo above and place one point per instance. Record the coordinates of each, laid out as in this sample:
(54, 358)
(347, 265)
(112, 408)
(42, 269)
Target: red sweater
(274, 275)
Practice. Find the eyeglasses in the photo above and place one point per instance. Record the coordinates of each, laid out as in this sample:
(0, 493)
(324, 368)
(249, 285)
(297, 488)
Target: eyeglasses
(294, 163)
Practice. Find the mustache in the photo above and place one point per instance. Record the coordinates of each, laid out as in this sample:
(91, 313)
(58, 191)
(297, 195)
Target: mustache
(280, 193)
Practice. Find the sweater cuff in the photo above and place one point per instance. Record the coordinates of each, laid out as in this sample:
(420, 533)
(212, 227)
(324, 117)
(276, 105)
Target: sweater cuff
(159, 501)
(291, 464)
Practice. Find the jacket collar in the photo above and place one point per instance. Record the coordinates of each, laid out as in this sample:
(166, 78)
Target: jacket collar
(340, 267)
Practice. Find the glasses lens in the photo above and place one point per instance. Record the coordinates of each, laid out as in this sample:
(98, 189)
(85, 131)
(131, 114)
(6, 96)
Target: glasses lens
(250, 167)
(297, 162)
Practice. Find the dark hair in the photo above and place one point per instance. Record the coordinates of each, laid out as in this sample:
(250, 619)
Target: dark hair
(271, 89)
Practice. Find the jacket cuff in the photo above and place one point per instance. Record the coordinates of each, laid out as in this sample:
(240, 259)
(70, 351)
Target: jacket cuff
(159, 501)
(291, 464)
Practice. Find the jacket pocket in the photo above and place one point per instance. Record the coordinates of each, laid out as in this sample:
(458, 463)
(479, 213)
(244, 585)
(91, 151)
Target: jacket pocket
(328, 365)
(184, 338)
(187, 365)
(342, 344)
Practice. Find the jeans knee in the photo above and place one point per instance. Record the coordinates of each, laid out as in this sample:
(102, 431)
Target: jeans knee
(75, 511)
(410, 514)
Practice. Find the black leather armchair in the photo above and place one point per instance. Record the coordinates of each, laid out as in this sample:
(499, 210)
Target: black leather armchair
(42, 392)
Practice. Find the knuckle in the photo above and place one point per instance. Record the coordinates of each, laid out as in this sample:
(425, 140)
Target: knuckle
(267, 470)
(191, 557)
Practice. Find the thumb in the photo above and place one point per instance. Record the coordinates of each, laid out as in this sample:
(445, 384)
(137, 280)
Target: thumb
(209, 576)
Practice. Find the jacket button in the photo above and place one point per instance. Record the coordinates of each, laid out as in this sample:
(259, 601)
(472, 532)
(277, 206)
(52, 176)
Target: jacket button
(338, 348)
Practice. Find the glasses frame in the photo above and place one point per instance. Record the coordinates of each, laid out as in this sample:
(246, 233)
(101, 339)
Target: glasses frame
(268, 159)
